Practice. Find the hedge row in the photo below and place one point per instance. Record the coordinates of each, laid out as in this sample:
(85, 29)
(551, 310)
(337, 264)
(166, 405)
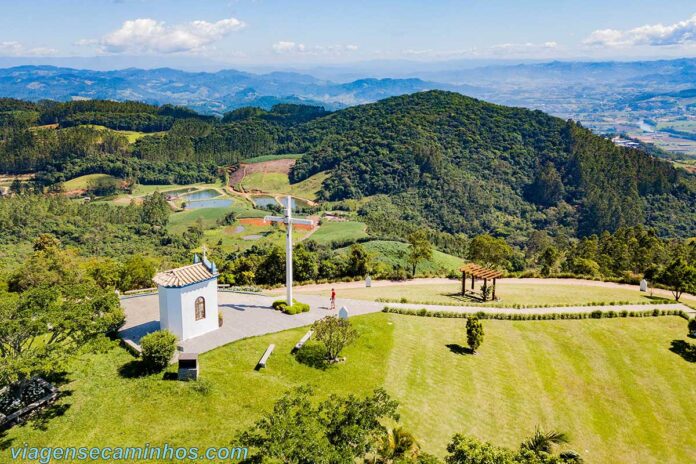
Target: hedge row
(537, 317)
(522, 306)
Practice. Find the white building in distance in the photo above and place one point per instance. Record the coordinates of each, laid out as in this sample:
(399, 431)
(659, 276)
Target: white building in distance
(188, 303)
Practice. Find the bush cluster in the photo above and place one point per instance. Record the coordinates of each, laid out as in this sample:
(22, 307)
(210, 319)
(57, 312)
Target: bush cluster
(295, 308)
(537, 317)
(158, 349)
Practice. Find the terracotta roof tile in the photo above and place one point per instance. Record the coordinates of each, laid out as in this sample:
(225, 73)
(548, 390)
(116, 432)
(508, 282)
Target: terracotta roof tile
(183, 276)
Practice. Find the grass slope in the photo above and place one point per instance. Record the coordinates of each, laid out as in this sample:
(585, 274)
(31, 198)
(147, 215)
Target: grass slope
(264, 158)
(82, 182)
(278, 183)
(331, 231)
(612, 384)
(396, 253)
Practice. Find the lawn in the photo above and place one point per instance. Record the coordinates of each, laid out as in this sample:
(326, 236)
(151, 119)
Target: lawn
(396, 253)
(231, 240)
(132, 136)
(612, 384)
(278, 183)
(331, 231)
(509, 294)
(149, 189)
(179, 222)
(82, 182)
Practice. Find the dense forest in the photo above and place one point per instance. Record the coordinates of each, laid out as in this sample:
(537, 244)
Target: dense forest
(452, 163)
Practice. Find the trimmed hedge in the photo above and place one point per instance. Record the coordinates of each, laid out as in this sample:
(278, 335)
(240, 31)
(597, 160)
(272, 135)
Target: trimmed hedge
(537, 317)
(522, 306)
(296, 308)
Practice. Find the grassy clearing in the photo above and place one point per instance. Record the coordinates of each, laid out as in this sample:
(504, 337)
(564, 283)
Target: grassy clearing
(612, 384)
(509, 294)
(82, 182)
(132, 136)
(331, 231)
(231, 238)
(264, 158)
(139, 189)
(277, 183)
(395, 254)
(179, 222)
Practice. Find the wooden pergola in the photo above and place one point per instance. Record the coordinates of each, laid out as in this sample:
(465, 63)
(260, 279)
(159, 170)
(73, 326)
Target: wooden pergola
(478, 272)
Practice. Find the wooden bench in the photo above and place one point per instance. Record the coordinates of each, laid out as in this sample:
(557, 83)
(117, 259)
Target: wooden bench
(266, 355)
(303, 340)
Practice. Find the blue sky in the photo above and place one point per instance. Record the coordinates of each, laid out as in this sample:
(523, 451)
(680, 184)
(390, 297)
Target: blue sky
(292, 32)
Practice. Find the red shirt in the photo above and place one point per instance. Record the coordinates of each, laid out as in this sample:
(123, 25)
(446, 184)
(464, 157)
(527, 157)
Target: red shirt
(333, 295)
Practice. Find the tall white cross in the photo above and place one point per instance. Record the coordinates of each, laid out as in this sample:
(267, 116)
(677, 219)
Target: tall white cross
(288, 220)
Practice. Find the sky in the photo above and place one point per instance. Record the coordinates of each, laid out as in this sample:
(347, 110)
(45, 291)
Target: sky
(288, 33)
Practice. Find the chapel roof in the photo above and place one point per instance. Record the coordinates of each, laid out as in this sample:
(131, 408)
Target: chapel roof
(186, 275)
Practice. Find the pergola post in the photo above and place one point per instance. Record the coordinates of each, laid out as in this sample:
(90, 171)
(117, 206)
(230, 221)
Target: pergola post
(479, 272)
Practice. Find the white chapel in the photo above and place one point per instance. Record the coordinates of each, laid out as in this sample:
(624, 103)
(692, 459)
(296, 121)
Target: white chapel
(188, 304)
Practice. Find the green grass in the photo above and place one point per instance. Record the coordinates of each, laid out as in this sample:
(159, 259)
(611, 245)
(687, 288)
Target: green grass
(139, 189)
(179, 222)
(396, 253)
(264, 158)
(278, 183)
(132, 136)
(231, 240)
(339, 231)
(509, 294)
(82, 182)
(612, 384)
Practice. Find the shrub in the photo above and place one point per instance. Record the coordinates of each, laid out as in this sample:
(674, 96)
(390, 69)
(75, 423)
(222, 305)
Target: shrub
(335, 334)
(692, 327)
(296, 308)
(158, 349)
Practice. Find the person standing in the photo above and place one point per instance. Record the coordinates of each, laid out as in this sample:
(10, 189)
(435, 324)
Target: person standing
(333, 299)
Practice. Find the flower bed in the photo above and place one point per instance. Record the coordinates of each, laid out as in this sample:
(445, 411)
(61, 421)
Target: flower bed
(36, 394)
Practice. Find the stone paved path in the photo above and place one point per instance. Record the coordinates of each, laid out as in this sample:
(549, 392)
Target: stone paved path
(247, 315)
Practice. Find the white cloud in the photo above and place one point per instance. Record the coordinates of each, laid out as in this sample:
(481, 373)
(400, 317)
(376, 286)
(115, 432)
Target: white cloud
(12, 48)
(680, 33)
(148, 36)
(289, 47)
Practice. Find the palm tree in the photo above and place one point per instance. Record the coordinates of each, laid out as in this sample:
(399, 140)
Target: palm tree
(544, 441)
(397, 443)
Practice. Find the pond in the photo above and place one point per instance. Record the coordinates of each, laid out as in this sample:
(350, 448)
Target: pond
(200, 195)
(264, 202)
(215, 203)
(296, 203)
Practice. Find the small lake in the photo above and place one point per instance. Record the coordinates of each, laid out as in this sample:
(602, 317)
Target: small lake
(215, 203)
(200, 195)
(264, 202)
(296, 203)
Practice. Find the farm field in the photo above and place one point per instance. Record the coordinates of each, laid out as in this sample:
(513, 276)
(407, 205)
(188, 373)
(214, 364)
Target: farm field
(132, 136)
(612, 384)
(509, 294)
(264, 158)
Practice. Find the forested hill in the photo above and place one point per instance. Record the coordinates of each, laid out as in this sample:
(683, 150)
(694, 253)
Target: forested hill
(470, 166)
(453, 163)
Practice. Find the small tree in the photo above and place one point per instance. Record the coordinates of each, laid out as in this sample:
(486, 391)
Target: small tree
(474, 333)
(679, 277)
(335, 333)
(489, 251)
(158, 349)
(420, 248)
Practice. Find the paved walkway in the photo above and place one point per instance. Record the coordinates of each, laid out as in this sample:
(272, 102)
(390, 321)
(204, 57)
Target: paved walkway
(246, 315)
